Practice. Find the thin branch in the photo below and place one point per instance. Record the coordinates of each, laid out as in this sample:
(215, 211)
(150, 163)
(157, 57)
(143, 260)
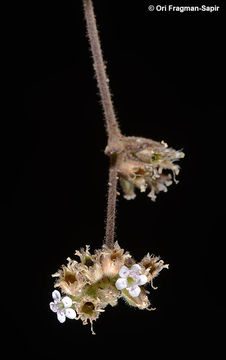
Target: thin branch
(114, 146)
(111, 208)
(99, 67)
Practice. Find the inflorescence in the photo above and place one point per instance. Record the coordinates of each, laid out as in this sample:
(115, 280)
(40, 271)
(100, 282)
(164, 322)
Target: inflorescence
(100, 279)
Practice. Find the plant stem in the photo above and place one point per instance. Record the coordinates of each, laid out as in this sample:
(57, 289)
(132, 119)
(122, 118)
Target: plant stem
(99, 67)
(111, 207)
(114, 145)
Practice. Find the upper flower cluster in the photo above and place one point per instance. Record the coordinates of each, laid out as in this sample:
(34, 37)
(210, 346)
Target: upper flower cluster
(145, 163)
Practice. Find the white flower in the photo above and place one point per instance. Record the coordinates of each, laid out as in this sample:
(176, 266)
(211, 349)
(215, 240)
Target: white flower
(62, 306)
(130, 279)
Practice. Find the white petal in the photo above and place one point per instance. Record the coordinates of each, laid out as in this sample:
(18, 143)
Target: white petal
(121, 284)
(142, 280)
(56, 295)
(70, 313)
(61, 316)
(67, 301)
(53, 307)
(135, 268)
(134, 291)
(124, 271)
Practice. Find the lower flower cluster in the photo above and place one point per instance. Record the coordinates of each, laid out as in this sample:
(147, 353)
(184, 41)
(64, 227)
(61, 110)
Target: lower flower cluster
(100, 279)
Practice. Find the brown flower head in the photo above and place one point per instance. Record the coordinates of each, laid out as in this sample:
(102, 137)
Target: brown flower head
(70, 278)
(145, 163)
(89, 266)
(112, 259)
(89, 309)
(152, 265)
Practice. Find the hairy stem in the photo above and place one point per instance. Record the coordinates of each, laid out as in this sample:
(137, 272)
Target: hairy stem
(111, 208)
(99, 67)
(114, 145)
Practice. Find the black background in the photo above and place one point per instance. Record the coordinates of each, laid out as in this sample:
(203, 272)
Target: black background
(166, 77)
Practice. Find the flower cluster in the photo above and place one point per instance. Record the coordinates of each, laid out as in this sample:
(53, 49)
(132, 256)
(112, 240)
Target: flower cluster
(145, 163)
(100, 279)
